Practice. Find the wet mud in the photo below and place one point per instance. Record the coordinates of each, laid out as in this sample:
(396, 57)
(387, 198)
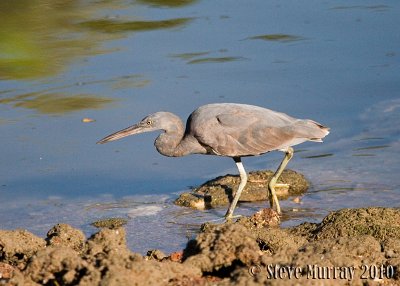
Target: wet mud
(348, 247)
(220, 191)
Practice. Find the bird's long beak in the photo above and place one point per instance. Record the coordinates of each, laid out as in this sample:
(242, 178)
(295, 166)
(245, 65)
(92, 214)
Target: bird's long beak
(131, 130)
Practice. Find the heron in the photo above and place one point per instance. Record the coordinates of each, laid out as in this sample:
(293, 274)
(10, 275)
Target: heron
(231, 130)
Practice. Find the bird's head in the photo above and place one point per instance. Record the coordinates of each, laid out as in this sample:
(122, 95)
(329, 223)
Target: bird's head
(156, 121)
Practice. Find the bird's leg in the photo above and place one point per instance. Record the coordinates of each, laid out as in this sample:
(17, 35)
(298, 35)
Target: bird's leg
(243, 181)
(273, 199)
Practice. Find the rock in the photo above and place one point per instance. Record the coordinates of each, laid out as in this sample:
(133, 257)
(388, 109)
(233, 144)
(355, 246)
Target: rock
(262, 218)
(232, 253)
(6, 270)
(65, 235)
(222, 247)
(220, 191)
(60, 265)
(18, 246)
(155, 254)
(381, 223)
(114, 222)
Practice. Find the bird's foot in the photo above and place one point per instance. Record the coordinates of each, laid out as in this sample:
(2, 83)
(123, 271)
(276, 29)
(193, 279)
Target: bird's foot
(233, 217)
(225, 219)
(281, 186)
(221, 220)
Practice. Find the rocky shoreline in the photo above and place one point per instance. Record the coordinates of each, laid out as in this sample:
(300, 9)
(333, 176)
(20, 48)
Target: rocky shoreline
(350, 246)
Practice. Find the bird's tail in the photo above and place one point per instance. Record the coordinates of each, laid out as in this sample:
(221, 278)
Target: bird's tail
(311, 130)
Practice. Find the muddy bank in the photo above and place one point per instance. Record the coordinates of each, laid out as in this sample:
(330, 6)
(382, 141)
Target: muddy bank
(219, 191)
(350, 246)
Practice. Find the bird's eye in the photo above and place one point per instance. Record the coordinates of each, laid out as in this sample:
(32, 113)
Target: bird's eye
(149, 122)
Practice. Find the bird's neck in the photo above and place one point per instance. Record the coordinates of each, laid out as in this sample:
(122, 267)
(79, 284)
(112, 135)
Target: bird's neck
(167, 143)
(173, 142)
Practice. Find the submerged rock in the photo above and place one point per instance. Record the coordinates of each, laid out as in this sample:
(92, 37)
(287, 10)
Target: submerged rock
(113, 222)
(220, 191)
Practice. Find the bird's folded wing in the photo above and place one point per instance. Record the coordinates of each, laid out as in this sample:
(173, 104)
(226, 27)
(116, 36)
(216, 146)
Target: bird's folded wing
(237, 135)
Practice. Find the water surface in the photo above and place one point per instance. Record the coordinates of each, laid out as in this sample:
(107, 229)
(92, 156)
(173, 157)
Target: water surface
(115, 61)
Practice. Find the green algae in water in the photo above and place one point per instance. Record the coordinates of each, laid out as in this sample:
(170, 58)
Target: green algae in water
(112, 26)
(318, 156)
(215, 60)
(277, 37)
(111, 223)
(168, 3)
(189, 56)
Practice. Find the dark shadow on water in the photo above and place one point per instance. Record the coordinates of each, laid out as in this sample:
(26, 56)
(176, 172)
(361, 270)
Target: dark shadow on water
(377, 8)
(215, 60)
(318, 156)
(277, 38)
(168, 3)
(115, 26)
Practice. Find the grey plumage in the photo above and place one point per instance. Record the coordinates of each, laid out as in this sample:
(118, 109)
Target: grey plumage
(228, 129)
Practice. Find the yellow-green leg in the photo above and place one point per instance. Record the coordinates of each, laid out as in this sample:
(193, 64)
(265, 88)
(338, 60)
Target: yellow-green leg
(243, 181)
(273, 199)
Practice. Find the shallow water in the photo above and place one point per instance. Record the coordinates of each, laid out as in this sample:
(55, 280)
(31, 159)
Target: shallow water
(116, 61)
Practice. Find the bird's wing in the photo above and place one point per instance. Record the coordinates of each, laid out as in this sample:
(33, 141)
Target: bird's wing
(237, 134)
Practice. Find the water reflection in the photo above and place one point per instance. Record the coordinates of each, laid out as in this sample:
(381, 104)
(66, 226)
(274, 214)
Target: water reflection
(168, 3)
(366, 7)
(38, 38)
(197, 57)
(371, 147)
(215, 60)
(54, 103)
(119, 82)
(117, 26)
(190, 56)
(318, 156)
(277, 37)
(60, 59)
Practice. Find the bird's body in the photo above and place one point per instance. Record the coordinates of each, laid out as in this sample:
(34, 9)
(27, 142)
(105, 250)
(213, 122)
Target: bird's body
(238, 130)
(228, 129)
